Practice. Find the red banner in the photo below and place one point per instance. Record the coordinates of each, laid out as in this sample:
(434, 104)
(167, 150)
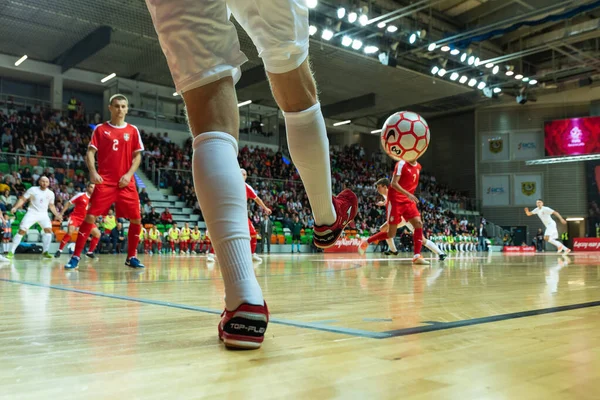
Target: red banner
(519, 249)
(586, 244)
(344, 245)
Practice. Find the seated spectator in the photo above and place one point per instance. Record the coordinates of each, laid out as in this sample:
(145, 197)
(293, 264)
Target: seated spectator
(5, 199)
(26, 176)
(117, 238)
(151, 217)
(148, 207)
(144, 196)
(166, 217)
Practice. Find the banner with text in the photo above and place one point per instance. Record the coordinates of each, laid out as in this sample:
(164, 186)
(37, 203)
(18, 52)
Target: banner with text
(494, 147)
(519, 249)
(495, 190)
(586, 244)
(343, 245)
(527, 146)
(527, 189)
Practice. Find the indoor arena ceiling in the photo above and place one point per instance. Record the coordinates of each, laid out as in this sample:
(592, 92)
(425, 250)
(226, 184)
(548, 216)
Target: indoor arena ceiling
(560, 52)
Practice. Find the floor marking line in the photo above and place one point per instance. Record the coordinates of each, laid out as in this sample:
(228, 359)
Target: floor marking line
(280, 321)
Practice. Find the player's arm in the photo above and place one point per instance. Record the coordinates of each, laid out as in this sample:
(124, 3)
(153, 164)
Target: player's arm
(135, 164)
(54, 211)
(90, 161)
(399, 188)
(261, 203)
(529, 213)
(22, 200)
(562, 220)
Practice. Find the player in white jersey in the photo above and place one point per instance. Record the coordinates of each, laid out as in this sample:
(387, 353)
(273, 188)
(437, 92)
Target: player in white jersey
(40, 198)
(382, 188)
(551, 234)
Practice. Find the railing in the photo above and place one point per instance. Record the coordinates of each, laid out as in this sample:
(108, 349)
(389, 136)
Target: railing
(10, 162)
(13, 101)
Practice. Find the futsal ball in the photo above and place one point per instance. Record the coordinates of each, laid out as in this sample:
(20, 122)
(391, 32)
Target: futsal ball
(405, 136)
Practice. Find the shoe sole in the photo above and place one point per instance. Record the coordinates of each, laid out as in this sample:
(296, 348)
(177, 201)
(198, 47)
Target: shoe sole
(239, 342)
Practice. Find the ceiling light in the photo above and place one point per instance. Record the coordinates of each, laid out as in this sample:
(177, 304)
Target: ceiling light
(477, 62)
(20, 60)
(412, 38)
(311, 3)
(463, 57)
(341, 12)
(471, 60)
(346, 41)
(342, 122)
(356, 44)
(497, 90)
(575, 219)
(518, 77)
(327, 34)
(352, 17)
(533, 82)
(175, 94)
(489, 65)
(455, 52)
(473, 82)
(312, 30)
(108, 77)
(445, 48)
(481, 85)
(381, 25)
(509, 73)
(442, 72)
(431, 47)
(244, 103)
(371, 49)
(463, 79)
(525, 79)
(454, 76)
(435, 69)
(495, 70)
(363, 19)
(377, 131)
(392, 28)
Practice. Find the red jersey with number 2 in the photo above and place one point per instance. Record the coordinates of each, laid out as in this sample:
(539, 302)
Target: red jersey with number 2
(409, 181)
(116, 146)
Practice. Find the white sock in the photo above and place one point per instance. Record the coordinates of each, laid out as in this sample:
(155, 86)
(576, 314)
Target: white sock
(432, 246)
(16, 241)
(5, 247)
(222, 196)
(391, 245)
(556, 243)
(46, 239)
(309, 148)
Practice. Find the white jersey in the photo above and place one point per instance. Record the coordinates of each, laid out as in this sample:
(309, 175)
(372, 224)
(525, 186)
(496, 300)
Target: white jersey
(39, 199)
(545, 214)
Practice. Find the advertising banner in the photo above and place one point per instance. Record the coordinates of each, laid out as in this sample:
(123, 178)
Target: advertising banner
(343, 245)
(495, 190)
(495, 147)
(573, 136)
(527, 146)
(586, 244)
(519, 249)
(527, 189)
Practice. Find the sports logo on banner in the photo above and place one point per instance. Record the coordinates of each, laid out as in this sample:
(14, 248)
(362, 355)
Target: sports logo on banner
(528, 188)
(495, 191)
(526, 145)
(496, 145)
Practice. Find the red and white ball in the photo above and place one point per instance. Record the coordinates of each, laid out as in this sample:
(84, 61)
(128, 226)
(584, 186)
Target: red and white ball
(405, 136)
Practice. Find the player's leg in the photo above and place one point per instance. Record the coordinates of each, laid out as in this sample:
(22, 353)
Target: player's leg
(65, 240)
(413, 217)
(428, 243)
(46, 225)
(96, 235)
(279, 29)
(27, 222)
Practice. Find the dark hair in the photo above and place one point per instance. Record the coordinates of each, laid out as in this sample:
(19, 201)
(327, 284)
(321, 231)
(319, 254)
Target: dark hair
(383, 182)
(540, 200)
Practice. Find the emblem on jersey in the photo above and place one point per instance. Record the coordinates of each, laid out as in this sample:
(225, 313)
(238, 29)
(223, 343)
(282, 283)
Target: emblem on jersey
(528, 188)
(126, 137)
(496, 145)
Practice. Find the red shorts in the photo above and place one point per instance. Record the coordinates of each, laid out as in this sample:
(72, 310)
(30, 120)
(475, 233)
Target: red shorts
(397, 211)
(76, 222)
(127, 201)
(251, 228)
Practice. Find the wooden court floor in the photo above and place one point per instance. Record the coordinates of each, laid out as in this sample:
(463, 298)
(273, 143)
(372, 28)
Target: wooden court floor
(343, 327)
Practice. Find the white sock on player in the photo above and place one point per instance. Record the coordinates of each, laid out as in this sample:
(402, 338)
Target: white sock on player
(391, 245)
(15, 243)
(432, 246)
(309, 148)
(556, 243)
(46, 239)
(221, 193)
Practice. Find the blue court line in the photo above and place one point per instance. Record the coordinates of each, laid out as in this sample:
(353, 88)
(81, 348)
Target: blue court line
(297, 324)
(357, 266)
(438, 326)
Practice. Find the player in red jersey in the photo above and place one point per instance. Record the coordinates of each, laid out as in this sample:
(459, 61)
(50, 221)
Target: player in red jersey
(205, 70)
(402, 203)
(119, 147)
(251, 195)
(80, 201)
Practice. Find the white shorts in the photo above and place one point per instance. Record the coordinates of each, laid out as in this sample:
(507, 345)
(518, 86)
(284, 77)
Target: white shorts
(202, 46)
(551, 231)
(31, 218)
